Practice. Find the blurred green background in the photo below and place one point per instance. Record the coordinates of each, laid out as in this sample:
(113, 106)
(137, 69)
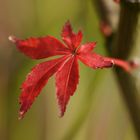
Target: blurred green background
(95, 112)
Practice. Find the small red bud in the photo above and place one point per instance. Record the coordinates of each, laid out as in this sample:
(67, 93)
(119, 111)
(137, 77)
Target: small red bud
(117, 1)
(105, 29)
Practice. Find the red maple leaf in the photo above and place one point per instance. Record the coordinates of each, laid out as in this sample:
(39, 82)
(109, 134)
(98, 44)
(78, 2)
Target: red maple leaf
(65, 68)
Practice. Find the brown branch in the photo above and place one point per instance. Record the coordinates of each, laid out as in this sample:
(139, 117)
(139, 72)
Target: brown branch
(122, 45)
(125, 44)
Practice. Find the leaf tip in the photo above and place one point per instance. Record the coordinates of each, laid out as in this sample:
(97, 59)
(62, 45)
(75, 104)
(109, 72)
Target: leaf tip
(61, 113)
(62, 110)
(67, 22)
(12, 39)
(21, 115)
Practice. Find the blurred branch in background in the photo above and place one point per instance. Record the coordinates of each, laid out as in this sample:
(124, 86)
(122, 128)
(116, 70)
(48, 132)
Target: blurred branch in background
(127, 41)
(123, 44)
(12, 67)
(108, 12)
(38, 18)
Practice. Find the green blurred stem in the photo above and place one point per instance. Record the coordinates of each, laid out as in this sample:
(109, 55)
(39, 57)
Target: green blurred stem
(85, 109)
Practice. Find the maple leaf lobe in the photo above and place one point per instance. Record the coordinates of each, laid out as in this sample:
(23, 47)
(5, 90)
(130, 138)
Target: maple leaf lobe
(36, 80)
(41, 47)
(71, 39)
(67, 79)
